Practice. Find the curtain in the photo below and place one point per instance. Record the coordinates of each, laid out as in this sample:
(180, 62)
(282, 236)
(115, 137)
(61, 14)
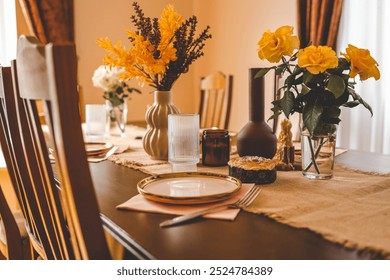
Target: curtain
(366, 24)
(318, 21)
(8, 34)
(50, 20)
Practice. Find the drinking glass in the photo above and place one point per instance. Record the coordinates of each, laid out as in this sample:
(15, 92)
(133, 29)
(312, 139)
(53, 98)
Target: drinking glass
(183, 142)
(96, 121)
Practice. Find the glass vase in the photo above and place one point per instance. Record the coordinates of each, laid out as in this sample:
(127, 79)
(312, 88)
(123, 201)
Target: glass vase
(318, 155)
(116, 118)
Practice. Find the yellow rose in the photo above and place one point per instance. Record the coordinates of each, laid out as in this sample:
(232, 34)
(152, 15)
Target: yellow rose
(272, 46)
(362, 63)
(317, 59)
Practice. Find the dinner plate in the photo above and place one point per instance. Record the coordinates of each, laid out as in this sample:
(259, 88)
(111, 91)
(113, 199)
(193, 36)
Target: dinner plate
(95, 148)
(188, 187)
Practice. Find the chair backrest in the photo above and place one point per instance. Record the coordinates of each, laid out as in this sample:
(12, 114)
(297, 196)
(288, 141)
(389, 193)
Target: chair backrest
(10, 238)
(12, 246)
(15, 157)
(48, 74)
(216, 91)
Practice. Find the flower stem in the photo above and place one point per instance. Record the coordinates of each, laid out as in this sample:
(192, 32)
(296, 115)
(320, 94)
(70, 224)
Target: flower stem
(114, 118)
(314, 155)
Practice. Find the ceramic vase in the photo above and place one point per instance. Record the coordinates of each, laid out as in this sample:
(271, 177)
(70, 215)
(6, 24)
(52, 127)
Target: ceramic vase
(256, 138)
(155, 141)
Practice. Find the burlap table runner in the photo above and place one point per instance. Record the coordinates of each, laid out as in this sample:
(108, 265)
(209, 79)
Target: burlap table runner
(352, 208)
(134, 156)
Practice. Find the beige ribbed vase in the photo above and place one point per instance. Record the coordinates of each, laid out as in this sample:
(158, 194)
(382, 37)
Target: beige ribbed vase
(155, 140)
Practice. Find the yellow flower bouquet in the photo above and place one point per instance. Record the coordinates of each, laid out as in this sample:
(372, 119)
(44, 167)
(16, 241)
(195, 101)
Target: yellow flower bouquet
(160, 50)
(317, 82)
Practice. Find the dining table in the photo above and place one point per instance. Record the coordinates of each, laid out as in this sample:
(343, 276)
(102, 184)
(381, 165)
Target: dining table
(249, 237)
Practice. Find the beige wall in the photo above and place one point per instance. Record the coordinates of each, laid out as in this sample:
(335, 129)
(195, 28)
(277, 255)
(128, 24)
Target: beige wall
(236, 27)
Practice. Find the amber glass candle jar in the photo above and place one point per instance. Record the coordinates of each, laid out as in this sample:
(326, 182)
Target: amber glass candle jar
(215, 147)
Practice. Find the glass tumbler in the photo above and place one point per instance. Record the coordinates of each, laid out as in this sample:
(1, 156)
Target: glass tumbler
(183, 142)
(96, 121)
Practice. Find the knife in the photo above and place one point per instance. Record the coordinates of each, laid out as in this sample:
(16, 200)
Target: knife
(187, 217)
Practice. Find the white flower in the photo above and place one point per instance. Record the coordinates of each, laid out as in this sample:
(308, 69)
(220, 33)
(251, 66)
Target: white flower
(107, 79)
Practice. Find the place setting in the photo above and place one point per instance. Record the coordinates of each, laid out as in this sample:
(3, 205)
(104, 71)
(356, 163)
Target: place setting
(189, 189)
(187, 194)
(99, 151)
(95, 151)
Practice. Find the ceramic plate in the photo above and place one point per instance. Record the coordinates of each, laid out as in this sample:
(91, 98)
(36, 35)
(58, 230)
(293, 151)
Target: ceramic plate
(188, 188)
(95, 148)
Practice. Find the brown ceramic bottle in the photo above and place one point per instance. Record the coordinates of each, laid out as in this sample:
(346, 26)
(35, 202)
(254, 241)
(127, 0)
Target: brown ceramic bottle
(256, 138)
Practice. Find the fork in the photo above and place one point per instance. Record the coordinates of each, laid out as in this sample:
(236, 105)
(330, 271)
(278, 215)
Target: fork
(104, 156)
(244, 201)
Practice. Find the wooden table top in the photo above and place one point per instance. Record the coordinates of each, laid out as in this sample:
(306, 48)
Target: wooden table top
(250, 236)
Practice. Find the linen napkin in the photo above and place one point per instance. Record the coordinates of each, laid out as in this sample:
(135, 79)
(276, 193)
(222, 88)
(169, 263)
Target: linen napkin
(140, 203)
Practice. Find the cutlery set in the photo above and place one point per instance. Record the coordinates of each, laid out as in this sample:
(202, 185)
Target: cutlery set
(102, 156)
(243, 202)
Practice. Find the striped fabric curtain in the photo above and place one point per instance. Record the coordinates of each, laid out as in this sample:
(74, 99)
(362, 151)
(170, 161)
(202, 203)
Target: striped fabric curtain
(50, 20)
(366, 24)
(318, 21)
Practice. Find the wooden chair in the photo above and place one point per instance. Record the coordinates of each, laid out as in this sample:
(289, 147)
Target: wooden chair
(14, 242)
(216, 92)
(19, 171)
(68, 207)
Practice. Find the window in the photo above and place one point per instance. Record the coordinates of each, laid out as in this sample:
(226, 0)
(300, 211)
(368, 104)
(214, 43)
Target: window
(366, 24)
(8, 34)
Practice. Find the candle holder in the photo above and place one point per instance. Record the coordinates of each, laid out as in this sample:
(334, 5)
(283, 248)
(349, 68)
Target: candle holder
(215, 147)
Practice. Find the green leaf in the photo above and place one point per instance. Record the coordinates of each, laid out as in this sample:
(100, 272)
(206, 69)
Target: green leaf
(344, 64)
(358, 98)
(299, 80)
(312, 115)
(262, 72)
(274, 116)
(119, 90)
(290, 81)
(351, 104)
(287, 103)
(334, 120)
(279, 70)
(307, 77)
(305, 89)
(336, 85)
(346, 78)
(115, 101)
(298, 70)
(333, 112)
(325, 128)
